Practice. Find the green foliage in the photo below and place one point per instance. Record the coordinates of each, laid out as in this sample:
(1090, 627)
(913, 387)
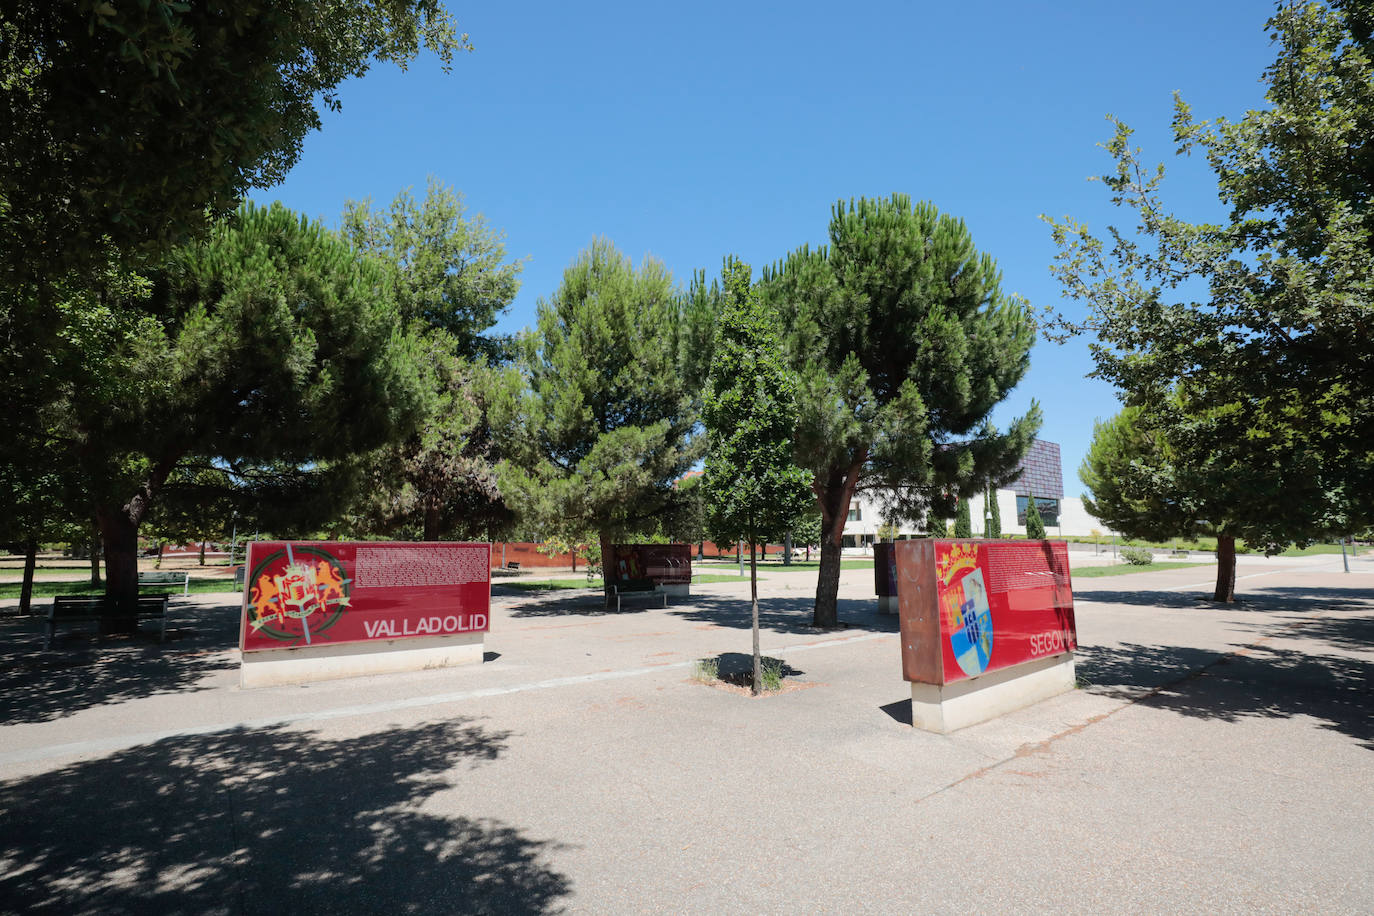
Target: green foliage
(706, 669)
(450, 269)
(752, 490)
(963, 524)
(903, 343)
(771, 671)
(1137, 556)
(685, 522)
(126, 127)
(1245, 342)
(607, 424)
(1035, 526)
(270, 346)
(806, 527)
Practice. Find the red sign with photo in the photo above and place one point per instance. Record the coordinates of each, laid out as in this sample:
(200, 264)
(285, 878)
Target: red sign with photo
(309, 593)
(1002, 603)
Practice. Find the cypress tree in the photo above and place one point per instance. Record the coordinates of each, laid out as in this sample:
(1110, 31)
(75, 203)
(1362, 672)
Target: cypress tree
(963, 524)
(1035, 526)
(995, 528)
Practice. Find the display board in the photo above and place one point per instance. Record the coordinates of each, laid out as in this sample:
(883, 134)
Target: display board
(970, 607)
(885, 569)
(311, 593)
(661, 563)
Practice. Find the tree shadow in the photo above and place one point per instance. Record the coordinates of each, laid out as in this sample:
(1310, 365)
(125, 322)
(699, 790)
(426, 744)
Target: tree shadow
(270, 821)
(784, 615)
(1264, 681)
(1276, 598)
(734, 666)
(83, 670)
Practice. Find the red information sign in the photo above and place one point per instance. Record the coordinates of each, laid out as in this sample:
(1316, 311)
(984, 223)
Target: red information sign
(988, 604)
(661, 563)
(308, 593)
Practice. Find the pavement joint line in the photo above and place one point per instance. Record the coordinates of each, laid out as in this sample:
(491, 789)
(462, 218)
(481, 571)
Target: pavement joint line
(1038, 747)
(1272, 572)
(123, 742)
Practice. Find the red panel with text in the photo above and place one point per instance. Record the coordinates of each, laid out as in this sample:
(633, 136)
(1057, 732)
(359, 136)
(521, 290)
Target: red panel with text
(1002, 603)
(310, 593)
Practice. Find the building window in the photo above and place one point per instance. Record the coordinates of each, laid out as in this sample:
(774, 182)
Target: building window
(856, 514)
(1049, 510)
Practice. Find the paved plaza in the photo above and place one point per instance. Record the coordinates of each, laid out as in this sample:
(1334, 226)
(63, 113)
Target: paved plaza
(1215, 760)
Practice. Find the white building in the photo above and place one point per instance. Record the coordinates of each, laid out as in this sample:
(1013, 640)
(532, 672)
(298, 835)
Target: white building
(1041, 475)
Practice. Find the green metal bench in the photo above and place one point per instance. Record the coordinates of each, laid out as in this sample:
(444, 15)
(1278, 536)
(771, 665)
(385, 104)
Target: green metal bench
(87, 609)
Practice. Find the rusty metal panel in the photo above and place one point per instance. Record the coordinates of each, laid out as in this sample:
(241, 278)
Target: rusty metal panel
(918, 612)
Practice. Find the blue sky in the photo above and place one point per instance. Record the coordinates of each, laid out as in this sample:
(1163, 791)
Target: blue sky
(691, 131)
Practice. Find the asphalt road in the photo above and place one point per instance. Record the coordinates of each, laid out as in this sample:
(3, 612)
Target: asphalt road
(1216, 759)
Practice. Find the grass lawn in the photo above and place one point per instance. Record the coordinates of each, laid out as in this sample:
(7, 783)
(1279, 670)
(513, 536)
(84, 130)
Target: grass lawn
(551, 585)
(1093, 572)
(83, 587)
(776, 565)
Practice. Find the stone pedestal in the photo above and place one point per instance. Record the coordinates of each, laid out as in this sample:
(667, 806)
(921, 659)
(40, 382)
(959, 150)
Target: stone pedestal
(972, 700)
(275, 667)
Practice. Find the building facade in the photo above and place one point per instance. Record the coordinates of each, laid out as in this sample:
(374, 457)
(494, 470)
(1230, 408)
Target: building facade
(1040, 476)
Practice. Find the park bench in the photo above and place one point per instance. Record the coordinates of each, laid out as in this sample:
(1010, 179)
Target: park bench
(637, 587)
(85, 608)
(167, 578)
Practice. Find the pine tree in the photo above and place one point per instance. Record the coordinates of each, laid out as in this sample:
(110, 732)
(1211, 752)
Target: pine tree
(609, 421)
(752, 489)
(903, 342)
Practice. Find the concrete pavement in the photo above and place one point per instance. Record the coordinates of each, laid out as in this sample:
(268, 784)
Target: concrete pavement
(1217, 759)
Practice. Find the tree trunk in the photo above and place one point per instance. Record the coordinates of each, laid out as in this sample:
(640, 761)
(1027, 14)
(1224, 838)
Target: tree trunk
(828, 586)
(202, 553)
(787, 550)
(754, 613)
(157, 564)
(119, 535)
(1226, 569)
(431, 522)
(834, 495)
(95, 561)
(30, 564)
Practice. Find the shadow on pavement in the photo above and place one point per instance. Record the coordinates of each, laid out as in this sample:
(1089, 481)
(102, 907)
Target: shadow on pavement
(779, 615)
(83, 670)
(1278, 598)
(1269, 682)
(271, 821)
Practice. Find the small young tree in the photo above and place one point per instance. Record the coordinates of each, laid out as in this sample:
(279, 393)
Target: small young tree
(752, 488)
(963, 524)
(1035, 526)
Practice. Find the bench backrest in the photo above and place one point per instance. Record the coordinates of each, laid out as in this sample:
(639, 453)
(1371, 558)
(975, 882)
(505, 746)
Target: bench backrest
(98, 605)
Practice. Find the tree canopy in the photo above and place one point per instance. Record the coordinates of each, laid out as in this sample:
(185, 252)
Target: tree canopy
(266, 351)
(903, 342)
(1245, 341)
(126, 127)
(609, 421)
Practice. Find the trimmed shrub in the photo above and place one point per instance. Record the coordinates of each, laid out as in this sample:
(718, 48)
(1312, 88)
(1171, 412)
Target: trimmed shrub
(1137, 556)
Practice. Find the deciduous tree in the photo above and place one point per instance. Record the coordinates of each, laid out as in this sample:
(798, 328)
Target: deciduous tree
(752, 488)
(1245, 342)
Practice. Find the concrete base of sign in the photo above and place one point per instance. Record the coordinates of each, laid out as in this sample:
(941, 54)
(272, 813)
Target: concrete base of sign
(275, 667)
(677, 590)
(887, 604)
(968, 702)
